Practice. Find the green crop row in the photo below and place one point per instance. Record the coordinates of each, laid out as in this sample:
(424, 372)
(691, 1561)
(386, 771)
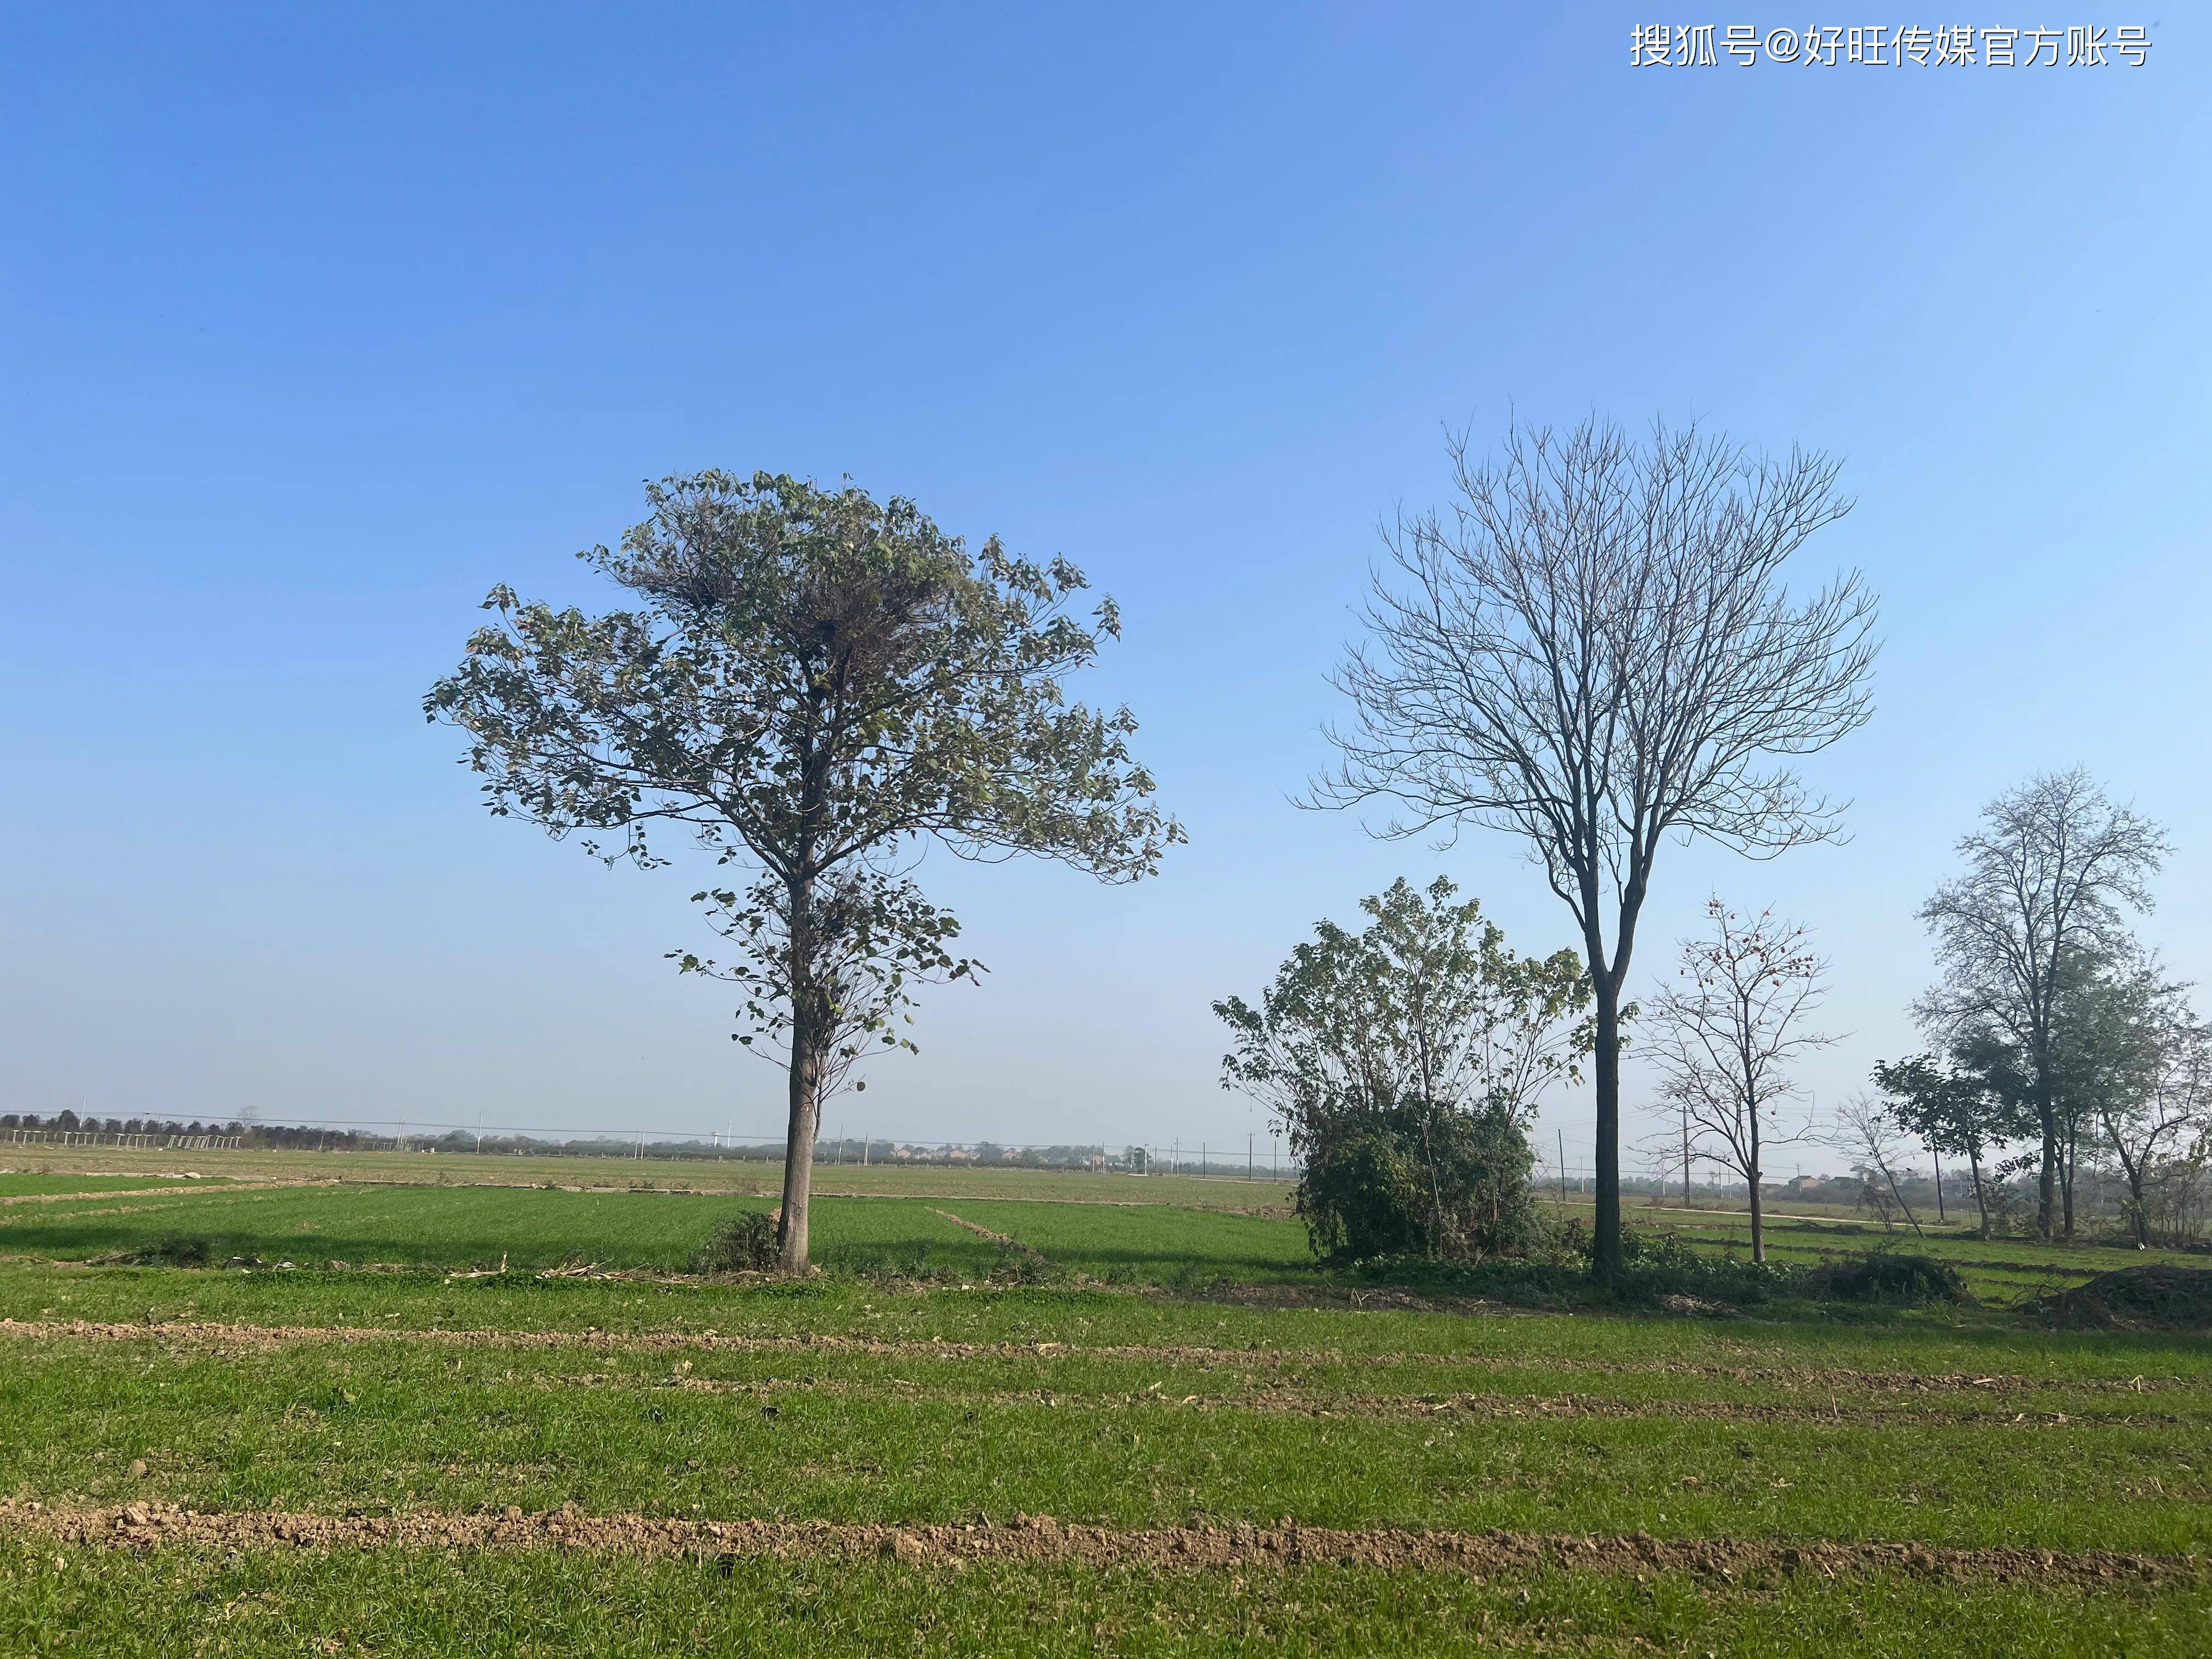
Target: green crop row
(397, 1605)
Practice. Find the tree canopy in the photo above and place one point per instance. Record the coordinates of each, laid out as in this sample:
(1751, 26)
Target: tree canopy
(813, 686)
(2050, 876)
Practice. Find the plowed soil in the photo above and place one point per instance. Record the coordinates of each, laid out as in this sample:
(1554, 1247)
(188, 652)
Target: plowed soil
(1042, 1539)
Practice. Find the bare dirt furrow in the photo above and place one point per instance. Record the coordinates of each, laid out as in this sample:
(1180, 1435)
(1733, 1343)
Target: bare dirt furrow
(1042, 1539)
(212, 1335)
(1005, 1240)
(1440, 1409)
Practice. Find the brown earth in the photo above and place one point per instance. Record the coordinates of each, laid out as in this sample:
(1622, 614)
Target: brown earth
(1042, 1539)
(1006, 1240)
(1428, 1408)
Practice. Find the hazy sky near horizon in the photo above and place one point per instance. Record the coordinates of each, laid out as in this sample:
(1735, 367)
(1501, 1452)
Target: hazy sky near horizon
(321, 321)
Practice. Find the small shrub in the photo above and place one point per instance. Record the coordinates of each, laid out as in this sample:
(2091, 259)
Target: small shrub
(1016, 1266)
(1664, 1265)
(745, 1242)
(1657, 1270)
(1889, 1276)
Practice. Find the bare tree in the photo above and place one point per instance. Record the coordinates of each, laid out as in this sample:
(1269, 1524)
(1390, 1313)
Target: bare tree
(1864, 1133)
(1727, 1033)
(1594, 650)
(2049, 877)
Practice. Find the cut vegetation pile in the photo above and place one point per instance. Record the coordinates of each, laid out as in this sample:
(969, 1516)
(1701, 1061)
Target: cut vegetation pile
(2155, 1297)
(1889, 1276)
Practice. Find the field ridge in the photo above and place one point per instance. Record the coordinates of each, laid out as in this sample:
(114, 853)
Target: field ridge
(1043, 1539)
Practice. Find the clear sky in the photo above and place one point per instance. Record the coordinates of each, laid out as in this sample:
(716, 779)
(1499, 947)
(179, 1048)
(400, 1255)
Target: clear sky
(320, 321)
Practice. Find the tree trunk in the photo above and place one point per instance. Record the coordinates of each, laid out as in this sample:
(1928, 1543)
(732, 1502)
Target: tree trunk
(808, 1032)
(798, 1148)
(1436, 1191)
(2136, 1171)
(2066, 1150)
(1981, 1201)
(1686, 1157)
(1898, 1195)
(1758, 1215)
(1606, 1069)
(2046, 1184)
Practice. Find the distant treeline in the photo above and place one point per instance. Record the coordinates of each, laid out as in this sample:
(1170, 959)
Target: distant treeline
(291, 1138)
(68, 1122)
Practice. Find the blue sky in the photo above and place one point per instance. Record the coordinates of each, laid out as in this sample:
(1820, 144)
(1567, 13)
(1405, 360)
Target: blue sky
(319, 323)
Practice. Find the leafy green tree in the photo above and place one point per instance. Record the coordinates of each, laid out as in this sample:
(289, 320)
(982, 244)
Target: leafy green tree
(2049, 877)
(1403, 1061)
(2134, 1067)
(813, 687)
(1968, 1108)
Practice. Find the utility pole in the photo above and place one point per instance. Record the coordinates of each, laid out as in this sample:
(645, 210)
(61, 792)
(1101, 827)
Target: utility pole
(1563, 1165)
(1247, 1155)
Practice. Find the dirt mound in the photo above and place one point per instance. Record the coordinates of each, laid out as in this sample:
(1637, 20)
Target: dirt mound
(2155, 1297)
(1004, 1241)
(1040, 1537)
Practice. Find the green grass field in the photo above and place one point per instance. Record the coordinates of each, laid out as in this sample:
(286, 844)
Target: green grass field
(1176, 1385)
(17, 1184)
(1215, 1192)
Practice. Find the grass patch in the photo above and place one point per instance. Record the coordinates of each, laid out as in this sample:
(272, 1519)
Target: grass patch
(358, 1603)
(44, 1183)
(993, 1356)
(466, 1227)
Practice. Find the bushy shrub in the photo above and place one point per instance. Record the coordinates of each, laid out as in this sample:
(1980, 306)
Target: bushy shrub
(1359, 1198)
(1659, 1269)
(1888, 1276)
(1659, 1265)
(1419, 1181)
(745, 1242)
